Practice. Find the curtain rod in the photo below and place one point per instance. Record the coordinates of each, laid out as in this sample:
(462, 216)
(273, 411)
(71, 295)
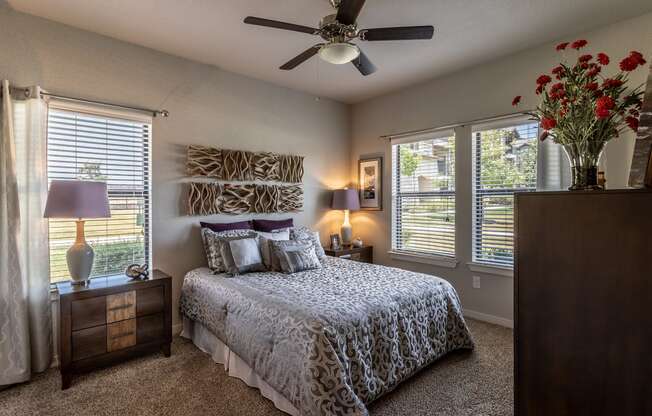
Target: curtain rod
(27, 92)
(451, 126)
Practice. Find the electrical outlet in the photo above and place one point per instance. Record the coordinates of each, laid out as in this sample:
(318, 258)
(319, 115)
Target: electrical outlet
(476, 282)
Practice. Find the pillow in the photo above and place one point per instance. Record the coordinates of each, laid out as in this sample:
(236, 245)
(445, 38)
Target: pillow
(212, 246)
(241, 254)
(305, 233)
(218, 227)
(266, 249)
(297, 258)
(272, 225)
(278, 246)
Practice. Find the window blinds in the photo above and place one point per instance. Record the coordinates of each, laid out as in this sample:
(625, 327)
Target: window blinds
(424, 195)
(504, 162)
(83, 145)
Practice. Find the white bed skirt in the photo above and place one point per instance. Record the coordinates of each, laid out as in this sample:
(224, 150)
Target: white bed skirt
(234, 365)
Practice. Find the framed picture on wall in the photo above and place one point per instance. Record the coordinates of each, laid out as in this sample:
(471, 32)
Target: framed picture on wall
(370, 183)
(641, 171)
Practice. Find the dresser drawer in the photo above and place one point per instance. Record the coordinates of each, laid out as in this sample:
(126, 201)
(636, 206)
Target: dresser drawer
(121, 335)
(121, 306)
(88, 342)
(150, 300)
(150, 328)
(86, 313)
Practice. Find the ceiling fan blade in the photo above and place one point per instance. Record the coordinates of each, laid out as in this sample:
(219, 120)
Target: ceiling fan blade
(348, 11)
(364, 65)
(301, 58)
(397, 33)
(280, 25)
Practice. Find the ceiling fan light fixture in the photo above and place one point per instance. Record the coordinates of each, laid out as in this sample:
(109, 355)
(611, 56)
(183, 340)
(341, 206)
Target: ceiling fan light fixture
(339, 52)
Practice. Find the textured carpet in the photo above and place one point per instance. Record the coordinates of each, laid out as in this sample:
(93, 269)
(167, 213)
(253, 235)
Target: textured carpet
(189, 383)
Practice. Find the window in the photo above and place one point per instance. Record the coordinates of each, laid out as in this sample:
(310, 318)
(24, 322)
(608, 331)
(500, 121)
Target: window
(84, 144)
(423, 194)
(504, 162)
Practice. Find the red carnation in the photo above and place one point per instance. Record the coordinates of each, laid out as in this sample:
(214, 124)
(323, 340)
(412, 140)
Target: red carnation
(548, 123)
(579, 44)
(539, 89)
(584, 65)
(556, 87)
(591, 86)
(611, 83)
(629, 64)
(585, 58)
(605, 102)
(638, 57)
(562, 46)
(593, 71)
(632, 122)
(601, 113)
(516, 100)
(603, 58)
(543, 80)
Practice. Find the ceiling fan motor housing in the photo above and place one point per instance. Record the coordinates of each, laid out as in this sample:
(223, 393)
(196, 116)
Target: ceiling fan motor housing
(333, 31)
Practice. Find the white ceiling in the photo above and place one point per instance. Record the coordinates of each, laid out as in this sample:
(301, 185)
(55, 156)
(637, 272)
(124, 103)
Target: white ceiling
(467, 32)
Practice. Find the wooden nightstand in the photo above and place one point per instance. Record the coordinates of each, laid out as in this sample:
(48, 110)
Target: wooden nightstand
(112, 319)
(364, 254)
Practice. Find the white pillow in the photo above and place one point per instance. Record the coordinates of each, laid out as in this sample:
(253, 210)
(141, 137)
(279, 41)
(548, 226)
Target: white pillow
(266, 249)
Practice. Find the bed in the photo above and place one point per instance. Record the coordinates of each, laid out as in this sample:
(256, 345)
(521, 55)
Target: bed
(327, 341)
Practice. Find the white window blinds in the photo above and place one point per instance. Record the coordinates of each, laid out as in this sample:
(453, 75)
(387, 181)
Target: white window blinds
(504, 162)
(423, 193)
(93, 146)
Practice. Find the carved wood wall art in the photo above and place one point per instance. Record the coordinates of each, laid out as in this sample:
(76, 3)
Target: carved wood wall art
(214, 198)
(237, 165)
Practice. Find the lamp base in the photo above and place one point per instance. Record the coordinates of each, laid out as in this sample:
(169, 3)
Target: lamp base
(347, 234)
(80, 258)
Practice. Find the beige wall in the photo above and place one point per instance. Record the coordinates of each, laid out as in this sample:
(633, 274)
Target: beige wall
(480, 92)
(207, 106)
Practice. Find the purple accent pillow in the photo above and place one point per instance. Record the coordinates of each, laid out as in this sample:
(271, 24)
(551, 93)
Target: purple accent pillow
(226, 226)
(268, 226)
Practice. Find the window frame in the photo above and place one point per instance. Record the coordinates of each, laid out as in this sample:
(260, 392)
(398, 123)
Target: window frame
(441, 259)
(478, 263)
(103, 112)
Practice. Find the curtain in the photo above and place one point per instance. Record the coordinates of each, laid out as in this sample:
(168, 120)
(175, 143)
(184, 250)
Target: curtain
(25, 310)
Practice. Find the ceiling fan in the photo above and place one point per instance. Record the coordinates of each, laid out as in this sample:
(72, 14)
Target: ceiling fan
(338, 30)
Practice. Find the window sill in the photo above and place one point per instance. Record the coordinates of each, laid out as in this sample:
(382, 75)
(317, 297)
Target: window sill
(441, 261)
(491, 269)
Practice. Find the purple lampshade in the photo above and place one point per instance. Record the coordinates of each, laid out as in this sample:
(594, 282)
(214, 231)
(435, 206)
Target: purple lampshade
(77, 199)
(346, 199)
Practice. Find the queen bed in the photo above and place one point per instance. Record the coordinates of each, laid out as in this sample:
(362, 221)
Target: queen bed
(326, 341)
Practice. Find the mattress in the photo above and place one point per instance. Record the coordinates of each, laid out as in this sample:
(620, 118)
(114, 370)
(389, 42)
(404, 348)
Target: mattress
(330, 340)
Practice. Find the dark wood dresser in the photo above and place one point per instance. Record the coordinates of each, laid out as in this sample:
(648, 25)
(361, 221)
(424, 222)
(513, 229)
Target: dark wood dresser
(363, 254)
(583, 299)
(111, 319)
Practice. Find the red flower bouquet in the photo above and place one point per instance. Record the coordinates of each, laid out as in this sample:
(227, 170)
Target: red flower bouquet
(584, 110)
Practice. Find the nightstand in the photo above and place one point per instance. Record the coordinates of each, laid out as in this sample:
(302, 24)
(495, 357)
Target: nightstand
(112, 319)
(363, 254)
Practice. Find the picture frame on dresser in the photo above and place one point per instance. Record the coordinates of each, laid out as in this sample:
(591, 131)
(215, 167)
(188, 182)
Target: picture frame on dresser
(370, 183)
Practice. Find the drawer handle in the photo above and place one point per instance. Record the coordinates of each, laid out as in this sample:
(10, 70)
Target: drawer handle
(124, 334)
(117, 308)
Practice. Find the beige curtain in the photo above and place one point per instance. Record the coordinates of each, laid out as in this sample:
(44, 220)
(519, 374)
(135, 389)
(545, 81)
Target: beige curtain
(25, 311)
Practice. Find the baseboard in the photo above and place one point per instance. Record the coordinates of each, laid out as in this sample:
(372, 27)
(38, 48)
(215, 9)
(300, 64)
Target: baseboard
(492, 319)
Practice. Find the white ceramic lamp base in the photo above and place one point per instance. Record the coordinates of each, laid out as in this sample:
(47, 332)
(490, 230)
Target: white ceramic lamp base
(80, 258)
(346, 231)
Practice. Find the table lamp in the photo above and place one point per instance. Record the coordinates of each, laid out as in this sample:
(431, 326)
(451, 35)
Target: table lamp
(78, 199)
(346, 199)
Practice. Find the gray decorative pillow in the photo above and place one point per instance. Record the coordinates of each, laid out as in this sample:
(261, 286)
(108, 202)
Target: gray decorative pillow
(241, 254)
(278, 247)
(299, 258)
(305, 233)
(266, 249)
(212, 246)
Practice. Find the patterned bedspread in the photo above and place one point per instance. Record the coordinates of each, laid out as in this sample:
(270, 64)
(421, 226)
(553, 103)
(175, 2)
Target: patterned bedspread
(333, 339)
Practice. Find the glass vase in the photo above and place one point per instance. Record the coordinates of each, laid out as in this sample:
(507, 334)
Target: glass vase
(584, 166)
